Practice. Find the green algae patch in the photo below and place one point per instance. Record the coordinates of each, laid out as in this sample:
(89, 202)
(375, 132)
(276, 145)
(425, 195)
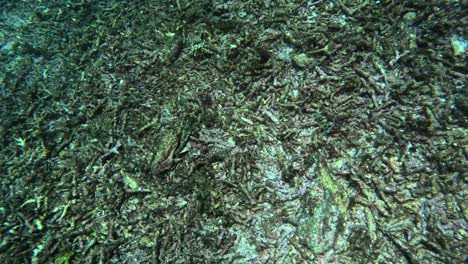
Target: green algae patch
(340, 197)
(327, 212)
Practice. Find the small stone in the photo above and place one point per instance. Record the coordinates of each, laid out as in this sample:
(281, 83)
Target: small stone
(130, 182)
(459, 45)
(410, 16)
(301, 60)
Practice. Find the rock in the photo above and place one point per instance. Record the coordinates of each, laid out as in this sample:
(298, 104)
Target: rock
(301, 60)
